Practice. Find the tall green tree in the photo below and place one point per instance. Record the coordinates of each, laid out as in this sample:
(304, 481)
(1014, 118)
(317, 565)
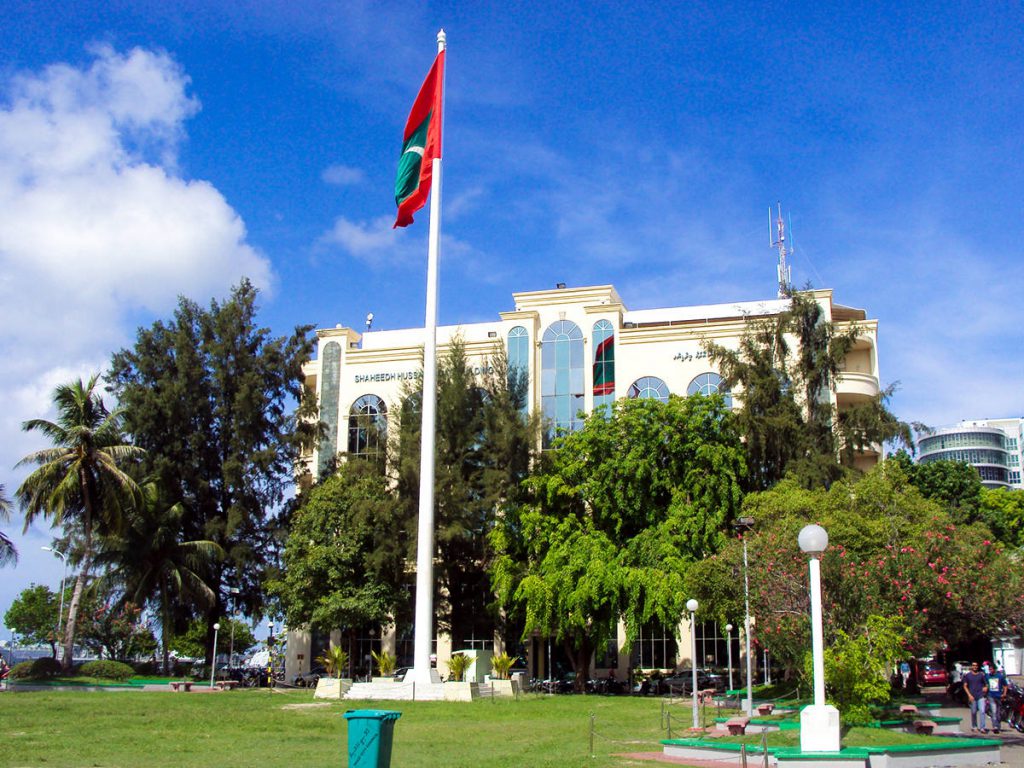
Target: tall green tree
(617, 515)
(83, 479)
(484, 451)
(34, 616)
(8, 553)
(784, 372)
(152, 564)
(955, 485)
(211, 396)
(345, 557)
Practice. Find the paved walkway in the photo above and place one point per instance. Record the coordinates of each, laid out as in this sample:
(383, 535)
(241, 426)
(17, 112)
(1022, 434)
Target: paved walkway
(1013, 742)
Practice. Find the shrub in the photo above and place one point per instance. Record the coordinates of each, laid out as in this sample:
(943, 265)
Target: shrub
(457, 666)
(385, 663)
(21, 670)
(106, 670)
(501, 665)
(147, 667)
(45, 667)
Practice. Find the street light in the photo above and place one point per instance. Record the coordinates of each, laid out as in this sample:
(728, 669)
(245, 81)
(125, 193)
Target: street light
(60, 611)
(691, 606)
(728, 634)
(213, 666)
(744, 525)
(819, 723)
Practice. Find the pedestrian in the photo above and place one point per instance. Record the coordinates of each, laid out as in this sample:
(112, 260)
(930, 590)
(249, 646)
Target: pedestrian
(996, 682)
(905, 672)
(976, 686)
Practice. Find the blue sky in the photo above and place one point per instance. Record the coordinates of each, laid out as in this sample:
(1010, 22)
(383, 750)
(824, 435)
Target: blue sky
(149, 151)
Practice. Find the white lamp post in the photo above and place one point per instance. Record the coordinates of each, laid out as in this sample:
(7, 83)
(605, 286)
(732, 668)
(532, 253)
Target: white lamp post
(744, 525)
(213, 659)
(819, 723)
(60, 610)
(691, 606)
(233, 597)
(728, 641)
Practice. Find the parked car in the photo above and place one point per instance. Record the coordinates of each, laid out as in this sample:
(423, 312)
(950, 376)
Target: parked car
(311, 678)
(931, 672)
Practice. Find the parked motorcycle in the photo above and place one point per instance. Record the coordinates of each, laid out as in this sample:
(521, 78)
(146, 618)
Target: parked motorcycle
(1011, 706)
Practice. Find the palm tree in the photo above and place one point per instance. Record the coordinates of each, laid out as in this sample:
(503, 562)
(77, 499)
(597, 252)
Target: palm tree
(151, 563)
(80, 479)
(8, 554)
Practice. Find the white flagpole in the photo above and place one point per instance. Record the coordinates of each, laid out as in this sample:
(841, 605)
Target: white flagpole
(424, 618)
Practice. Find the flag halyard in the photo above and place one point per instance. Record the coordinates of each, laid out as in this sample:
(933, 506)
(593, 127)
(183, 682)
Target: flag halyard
(421, 143)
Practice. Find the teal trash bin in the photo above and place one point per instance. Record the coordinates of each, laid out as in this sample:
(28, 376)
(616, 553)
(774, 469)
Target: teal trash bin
(369, 737)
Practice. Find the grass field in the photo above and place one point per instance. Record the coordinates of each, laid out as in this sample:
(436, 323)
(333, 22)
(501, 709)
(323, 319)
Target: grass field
(264, 729)
(260, 728)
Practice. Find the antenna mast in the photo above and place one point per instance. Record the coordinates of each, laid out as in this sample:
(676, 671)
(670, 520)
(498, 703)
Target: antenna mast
(777, 240)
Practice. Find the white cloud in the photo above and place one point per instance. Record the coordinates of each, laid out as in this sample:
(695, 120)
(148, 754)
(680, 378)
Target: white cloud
(98, 228)
(342, 175)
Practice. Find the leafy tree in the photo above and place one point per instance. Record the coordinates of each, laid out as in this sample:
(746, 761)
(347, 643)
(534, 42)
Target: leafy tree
(954, 484)
(208, 395)
(891, 552)
(154, 566)
(82, 480)
(33, 615)
(618, 513)
(484, 451)
(8, 553)
(858, 665)
(192, 642)
(1002, 510)
(785, 369)
(116, 629)
(344, 560)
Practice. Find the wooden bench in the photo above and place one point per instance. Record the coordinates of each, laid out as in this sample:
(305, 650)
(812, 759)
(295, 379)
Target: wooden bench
(185, 685)
(924, 727)
(909, 709)
(737, 725)
(765, 709)
(227, 685)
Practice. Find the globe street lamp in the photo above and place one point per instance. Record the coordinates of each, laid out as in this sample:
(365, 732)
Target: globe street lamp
(744, 525)
(691, 606)
(819, 723)
(60, 611)
(213, 659)
(728, 635)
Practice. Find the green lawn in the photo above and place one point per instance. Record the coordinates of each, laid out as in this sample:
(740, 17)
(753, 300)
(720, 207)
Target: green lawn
(261, 729)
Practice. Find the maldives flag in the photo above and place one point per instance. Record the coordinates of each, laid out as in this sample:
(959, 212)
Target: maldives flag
(421, 143)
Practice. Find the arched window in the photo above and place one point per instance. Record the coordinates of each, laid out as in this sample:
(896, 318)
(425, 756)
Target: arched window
(604, 364)
(519, 366)
(649, 386)
(709, 384)
(368, 428)
(561, 380)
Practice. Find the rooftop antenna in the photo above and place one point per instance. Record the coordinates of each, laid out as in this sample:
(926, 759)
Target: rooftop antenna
(369, 321)
(777, 240)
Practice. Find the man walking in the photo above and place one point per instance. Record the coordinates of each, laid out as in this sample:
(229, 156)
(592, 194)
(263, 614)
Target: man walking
(996, 682)
(976, 686)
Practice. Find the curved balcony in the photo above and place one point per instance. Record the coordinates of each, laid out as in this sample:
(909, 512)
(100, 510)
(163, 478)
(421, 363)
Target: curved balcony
(853, 387)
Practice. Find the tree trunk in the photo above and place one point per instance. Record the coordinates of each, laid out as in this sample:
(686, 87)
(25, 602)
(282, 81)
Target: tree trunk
(580, 656)
(76, 599)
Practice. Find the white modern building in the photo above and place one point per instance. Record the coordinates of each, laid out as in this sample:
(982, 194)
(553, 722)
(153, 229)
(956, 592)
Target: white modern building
(581, 347)
(995, 447)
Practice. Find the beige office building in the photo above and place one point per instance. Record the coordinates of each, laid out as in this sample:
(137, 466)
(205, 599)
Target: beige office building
(581, 347)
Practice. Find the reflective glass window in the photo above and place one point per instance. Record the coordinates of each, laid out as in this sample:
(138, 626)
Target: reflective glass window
(648, 386)
(561, 378)
(367, 428)
(709, 384)
(604, 364)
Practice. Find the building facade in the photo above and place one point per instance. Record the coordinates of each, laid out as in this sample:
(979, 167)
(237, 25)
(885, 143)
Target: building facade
(580, 348)
(995, 447)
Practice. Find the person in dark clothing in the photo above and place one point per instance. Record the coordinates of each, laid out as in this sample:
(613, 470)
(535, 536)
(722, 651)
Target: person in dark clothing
(976, 685)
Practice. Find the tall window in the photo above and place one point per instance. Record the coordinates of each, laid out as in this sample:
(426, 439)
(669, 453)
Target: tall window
(519, 366)
(649, 386)
(709, 384)
(368, 428)
(561, 379)
(604, 364)
(655, 647)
